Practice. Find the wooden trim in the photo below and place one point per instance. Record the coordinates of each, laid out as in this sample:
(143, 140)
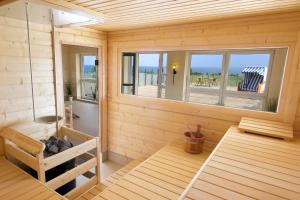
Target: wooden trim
(71, 174)
(30, 145)
(21, 155)
(184, 193)
(98, 40)
(75, 134)
(81, 189)
(98, 156)
(41, 167)
(71, 153)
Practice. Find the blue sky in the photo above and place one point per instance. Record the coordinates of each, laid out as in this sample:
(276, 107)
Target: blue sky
(212, 63)
(89, 60)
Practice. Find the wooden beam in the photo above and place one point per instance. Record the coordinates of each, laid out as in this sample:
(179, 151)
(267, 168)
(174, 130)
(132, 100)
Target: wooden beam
(5, 2)
(72, 8)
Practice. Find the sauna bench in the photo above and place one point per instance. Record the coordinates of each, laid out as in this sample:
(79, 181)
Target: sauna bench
(246, 166)
(15, 184)
(162, 176)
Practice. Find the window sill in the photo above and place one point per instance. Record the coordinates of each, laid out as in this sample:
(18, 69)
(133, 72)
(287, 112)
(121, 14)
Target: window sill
(87, 101)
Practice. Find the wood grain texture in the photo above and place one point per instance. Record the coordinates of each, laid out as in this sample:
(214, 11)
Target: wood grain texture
(163, 176)
(123, 14)
(267, 128)
(18, 185)
(15, 89)
(139, 126)
(239, 175)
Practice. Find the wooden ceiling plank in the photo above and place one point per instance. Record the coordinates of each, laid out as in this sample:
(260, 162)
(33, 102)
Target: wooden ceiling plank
(194, 11)
(200, 7)
(151, 4)
(109, 4)
(128, 4)
(190, 17)
(100, 3)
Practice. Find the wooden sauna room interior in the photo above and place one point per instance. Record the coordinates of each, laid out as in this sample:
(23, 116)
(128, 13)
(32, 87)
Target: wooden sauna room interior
(150, 100)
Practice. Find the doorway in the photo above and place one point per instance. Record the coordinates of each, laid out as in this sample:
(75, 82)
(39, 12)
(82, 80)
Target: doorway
(80, 79)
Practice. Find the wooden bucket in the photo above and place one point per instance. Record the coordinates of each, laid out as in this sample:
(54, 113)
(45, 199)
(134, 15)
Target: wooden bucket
(192, 144)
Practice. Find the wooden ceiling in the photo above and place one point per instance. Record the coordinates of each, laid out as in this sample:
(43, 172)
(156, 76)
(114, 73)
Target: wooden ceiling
(128, 14)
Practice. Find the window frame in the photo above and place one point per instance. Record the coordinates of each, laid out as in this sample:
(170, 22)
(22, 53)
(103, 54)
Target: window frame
(159, 75)
(222, 92)
(82, 80)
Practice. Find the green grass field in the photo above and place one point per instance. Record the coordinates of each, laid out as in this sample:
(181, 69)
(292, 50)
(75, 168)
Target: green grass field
(232, 80)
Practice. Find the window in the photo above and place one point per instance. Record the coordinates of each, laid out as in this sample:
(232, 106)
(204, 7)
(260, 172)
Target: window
(240, 82)
(244, 78)
(150, 72)
(128, 73)
(88, 77)
(247, 80)
(205, 78)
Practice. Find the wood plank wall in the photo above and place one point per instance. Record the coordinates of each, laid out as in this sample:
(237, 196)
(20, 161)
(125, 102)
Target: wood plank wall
(139, 126)
(15, 87)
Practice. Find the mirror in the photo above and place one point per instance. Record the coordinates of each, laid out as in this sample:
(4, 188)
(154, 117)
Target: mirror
(244, 78)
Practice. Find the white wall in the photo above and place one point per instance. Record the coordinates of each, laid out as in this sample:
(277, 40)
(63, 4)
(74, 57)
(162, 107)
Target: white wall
(88, 121)
(175, 90)
(71, 65)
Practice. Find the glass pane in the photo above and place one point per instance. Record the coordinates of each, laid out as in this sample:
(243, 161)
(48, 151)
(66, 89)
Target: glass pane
(89, 90)
(128, 69)
(245, 103)
(206, 70)
(128, 73)
(204, 98)
(248, 72)
(89, 68)
(148, 75)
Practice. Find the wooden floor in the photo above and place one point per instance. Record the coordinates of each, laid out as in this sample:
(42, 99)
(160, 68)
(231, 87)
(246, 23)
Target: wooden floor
(110, 180)
(163, 176)
(15, 184)
(247, 166)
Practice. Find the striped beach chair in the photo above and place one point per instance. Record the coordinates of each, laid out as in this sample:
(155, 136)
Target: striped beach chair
(253, 77)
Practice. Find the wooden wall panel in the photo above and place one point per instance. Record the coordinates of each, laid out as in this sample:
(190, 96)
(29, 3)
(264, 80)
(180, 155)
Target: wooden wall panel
(140, 126)
(89, 38)
(15, 85)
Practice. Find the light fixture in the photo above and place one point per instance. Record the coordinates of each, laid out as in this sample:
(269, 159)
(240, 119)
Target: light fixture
(174, 72)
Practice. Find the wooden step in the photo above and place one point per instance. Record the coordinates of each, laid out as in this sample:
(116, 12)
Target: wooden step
(94, 191)
(267, 128)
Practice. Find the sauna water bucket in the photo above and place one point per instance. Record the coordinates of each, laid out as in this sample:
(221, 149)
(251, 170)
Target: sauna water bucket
(193, 145)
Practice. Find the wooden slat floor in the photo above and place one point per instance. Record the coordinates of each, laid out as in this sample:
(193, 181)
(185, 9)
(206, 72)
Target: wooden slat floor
(110, 180)
(15, 184)
(247, 166)
(163, 176)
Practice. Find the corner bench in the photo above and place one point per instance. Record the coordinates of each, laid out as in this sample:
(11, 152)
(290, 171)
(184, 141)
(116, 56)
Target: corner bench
(246, 166)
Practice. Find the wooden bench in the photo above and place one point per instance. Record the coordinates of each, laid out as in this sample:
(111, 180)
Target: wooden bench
(162, 176)
(248, 166)
(15, 184)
